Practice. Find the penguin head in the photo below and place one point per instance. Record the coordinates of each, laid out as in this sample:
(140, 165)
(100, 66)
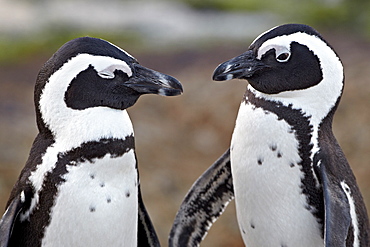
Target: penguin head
(290, 63)
(89, 73)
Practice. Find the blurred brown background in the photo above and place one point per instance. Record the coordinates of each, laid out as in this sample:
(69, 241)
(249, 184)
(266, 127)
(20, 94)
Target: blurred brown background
(177, 138)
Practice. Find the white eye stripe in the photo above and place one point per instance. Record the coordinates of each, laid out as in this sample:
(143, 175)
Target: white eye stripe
(105, 66)
(108, 72)
(279, 50)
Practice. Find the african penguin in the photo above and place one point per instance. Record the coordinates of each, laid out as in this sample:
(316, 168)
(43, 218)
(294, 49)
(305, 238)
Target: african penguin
(291, 181)
(80, 185)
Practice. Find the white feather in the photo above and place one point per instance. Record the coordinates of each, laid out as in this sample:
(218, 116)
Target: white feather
(352, 208)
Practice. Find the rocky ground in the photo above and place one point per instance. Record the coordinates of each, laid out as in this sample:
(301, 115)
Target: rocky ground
(178, 138)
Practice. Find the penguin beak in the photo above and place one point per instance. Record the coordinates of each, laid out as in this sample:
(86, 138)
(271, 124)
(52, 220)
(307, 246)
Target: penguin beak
(147, 81)
(241, 67)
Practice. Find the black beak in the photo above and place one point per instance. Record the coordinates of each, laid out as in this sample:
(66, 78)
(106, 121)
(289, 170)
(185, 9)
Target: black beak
(241, 67)
(147, 81)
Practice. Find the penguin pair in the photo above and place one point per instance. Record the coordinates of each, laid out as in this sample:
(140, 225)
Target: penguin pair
(290, 179)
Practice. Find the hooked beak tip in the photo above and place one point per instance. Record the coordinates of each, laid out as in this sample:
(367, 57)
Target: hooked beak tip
(149, 81)
(241, 67)
(171, 87)
(221, 73)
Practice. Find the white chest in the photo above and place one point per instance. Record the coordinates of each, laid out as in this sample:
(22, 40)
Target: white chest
(269, 201)
(97, 205)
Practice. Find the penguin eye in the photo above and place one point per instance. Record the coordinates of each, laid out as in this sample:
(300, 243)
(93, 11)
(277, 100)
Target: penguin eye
(283, 57)
(106, 74)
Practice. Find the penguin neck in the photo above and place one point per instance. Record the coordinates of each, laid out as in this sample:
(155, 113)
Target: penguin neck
(308, 126)
(81, 126)
(315, 102)
(107, 131)
(305, 130)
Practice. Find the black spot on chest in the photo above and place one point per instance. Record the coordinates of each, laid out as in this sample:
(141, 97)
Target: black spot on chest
(87, 152)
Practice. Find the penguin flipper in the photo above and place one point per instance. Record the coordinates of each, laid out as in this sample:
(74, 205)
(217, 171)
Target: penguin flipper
(203, 204)
(337, 210)
(8, 220)
(146, 235)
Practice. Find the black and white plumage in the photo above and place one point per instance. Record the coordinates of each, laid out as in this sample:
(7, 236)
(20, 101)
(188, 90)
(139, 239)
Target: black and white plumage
(292, 183)
(80, 185)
